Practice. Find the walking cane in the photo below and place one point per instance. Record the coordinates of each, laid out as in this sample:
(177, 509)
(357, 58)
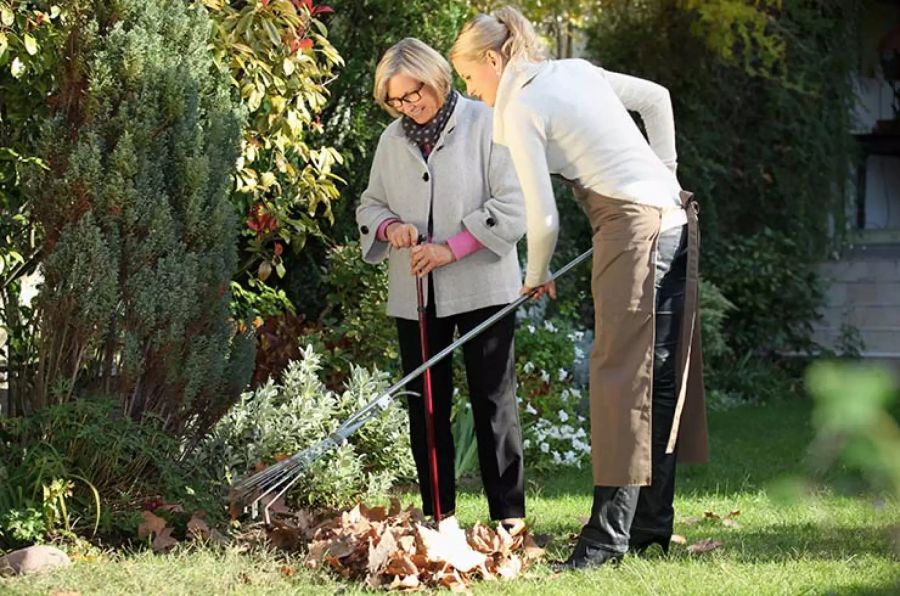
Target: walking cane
(429, 403)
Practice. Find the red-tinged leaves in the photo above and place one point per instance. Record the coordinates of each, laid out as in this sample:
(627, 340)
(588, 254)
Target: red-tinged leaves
(305, 44)
(164, 541)
(150, 524)
(704, 546)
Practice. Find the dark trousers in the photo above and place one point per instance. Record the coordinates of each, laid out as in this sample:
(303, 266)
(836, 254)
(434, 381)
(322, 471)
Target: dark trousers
(633, 514)
(490, 374)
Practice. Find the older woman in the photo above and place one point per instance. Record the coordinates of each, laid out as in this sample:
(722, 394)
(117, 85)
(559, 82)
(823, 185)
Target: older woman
(570, 119)
(436, 173)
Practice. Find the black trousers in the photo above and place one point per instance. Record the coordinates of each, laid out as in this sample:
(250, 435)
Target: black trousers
(490, 374)
(632, 514)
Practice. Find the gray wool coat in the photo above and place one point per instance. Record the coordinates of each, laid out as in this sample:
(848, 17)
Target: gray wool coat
(470, 183)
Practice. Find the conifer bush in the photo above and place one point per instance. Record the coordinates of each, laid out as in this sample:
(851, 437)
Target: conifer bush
(140, 235)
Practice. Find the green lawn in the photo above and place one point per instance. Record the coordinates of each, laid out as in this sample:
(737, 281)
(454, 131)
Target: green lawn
(827, 544)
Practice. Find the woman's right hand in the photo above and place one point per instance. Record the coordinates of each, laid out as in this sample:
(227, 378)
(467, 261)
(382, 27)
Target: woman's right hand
(402, 235)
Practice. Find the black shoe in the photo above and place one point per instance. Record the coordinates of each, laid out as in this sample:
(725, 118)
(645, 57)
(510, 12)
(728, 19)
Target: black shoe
(587, 555)
(640, 543)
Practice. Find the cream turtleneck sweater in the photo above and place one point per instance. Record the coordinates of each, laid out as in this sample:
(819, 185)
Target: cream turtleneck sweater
(569, 117)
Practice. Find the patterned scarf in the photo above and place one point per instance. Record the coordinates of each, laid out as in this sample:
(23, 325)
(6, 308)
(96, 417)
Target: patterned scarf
(426, 135)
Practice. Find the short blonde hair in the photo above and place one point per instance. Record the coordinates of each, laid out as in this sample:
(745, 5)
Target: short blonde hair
(507, 32)
(415, 59)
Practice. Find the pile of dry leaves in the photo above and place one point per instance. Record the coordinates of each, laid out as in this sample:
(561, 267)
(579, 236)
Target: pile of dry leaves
(396, 549)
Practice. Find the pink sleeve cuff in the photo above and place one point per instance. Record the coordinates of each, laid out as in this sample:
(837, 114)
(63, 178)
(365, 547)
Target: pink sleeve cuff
(463, 244)
(381, 233)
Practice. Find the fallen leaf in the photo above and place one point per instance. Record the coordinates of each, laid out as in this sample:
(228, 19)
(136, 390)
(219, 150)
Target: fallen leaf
(284, 537)
(163, 541)
(510, 568)
(734, 513)
(704, 546)
(172, 508)
(678, 539)
(288, 570)
(731, 523)
(197, 528)
(450, 546)
(274, 505)
(216, 537)
(380, 553)
(64, 593)
(532, 550)
(711, 515)
(151, 524)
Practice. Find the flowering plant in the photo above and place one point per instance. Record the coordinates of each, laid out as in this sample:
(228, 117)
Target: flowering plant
(554, 427)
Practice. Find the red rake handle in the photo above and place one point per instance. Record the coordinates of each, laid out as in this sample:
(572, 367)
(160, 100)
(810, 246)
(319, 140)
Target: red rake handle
(429, 404)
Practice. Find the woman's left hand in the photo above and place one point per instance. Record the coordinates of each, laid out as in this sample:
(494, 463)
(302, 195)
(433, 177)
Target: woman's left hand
(548, 288)
(424, 258)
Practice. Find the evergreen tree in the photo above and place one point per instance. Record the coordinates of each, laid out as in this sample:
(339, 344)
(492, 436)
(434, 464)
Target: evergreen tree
(140, 234)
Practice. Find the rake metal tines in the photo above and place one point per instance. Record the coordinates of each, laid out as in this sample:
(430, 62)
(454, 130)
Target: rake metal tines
(272, 483)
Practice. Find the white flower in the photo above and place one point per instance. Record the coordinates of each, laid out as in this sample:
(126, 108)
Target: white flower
(526, 443)
(529, 409)
(545, 447)
(545, 376)
(564, 395)
(549, 326)
(529, 366)
(563, 415)
(579, 353)
(563, 374)
(531, 329)
(556, 458)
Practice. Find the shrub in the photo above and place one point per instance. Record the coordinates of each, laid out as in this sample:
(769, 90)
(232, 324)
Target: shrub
(354, 327)
(775, 291)
(140, 235)
(763, 126)
(283, 418)
(101, 457)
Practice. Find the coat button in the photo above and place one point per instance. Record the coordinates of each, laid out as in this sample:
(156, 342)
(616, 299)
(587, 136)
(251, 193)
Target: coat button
(491, 222)
(425, 176)
(364, 229)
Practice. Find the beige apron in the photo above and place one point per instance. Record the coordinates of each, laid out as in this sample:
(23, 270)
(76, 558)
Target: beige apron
(621, 370)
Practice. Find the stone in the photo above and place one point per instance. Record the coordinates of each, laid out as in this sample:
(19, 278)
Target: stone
(33, 559)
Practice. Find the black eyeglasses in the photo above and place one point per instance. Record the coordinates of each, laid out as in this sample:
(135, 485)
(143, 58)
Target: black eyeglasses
(410, 98)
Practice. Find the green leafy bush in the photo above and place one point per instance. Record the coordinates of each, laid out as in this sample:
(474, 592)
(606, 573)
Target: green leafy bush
(354, 327)
(105, 460)
(285, 417)
(775, 291)
(763, 121)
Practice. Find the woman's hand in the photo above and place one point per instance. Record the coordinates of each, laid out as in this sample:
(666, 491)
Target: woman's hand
(401, 235)
(424, 258)
(548, 288)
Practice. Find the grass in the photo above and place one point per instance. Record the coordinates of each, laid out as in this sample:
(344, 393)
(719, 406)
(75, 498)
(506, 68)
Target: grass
(826, 543)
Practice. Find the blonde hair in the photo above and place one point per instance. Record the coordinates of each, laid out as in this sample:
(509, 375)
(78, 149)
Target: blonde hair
(415, 59)
(506, 31)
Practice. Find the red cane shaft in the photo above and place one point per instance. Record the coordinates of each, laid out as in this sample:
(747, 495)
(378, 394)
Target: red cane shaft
(429, 405)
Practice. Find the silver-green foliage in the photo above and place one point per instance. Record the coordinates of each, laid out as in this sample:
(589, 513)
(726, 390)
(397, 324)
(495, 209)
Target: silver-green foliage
(284, 417)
